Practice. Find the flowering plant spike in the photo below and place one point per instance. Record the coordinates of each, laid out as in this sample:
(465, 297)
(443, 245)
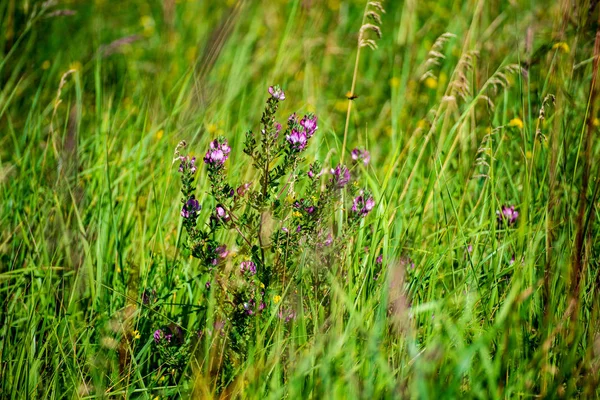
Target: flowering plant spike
(263, 227)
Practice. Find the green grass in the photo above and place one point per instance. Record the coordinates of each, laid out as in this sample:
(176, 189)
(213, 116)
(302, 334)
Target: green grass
(89, 196)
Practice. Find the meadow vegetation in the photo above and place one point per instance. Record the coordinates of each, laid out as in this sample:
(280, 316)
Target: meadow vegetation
(299, 199)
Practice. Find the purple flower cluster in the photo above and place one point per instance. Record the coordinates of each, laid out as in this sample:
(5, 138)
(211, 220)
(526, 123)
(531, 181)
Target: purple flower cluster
(218, 153)
(158, 335)
(221, 253)
(243, 189)
(287, 315)
(361, 155)
(221, 213)
(301, 131)
(277, 93)
(309, 123)
(297, 139)
(363, 204)
(187, 164)
(508, 215)
(191, 208)
(341, 176)
(250, 305)
(249, 267)
(314, 171)
(304, 205)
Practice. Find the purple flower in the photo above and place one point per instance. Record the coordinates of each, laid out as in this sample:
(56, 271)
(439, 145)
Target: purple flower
(157, 335)
(310, 209)
(286, 230)
(218, 152)
(191, 208)
(277, 93)
(341, 176)
(309, 123)
(363, 204)
(407, 261)
(262, 306)
(297, 140)
(222, 213)
(329, 240)
(299, 228)
(222, 251)
(293, 119)
(249, 306)
(187, 164)
(207, 286)
(248, 266)
(242, 189)
(361, 155)
(379, 259)
(369, 204)
(508, 215)
(310, 174)
(289, 315)
(168, 337)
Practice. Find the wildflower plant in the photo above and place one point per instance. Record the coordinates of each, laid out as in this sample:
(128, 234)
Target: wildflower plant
(288, 207)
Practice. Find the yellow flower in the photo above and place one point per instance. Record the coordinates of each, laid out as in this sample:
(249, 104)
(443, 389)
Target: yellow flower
(516, 122)
(46, 64)
(211, 128)
(394, 82)
(561, 46)
(296, 214)
(262, 285)
(422, 124)
(528, 154)
(136, 335)
(160, 134)
(431, 82)
(276, 299)
(596, 122)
